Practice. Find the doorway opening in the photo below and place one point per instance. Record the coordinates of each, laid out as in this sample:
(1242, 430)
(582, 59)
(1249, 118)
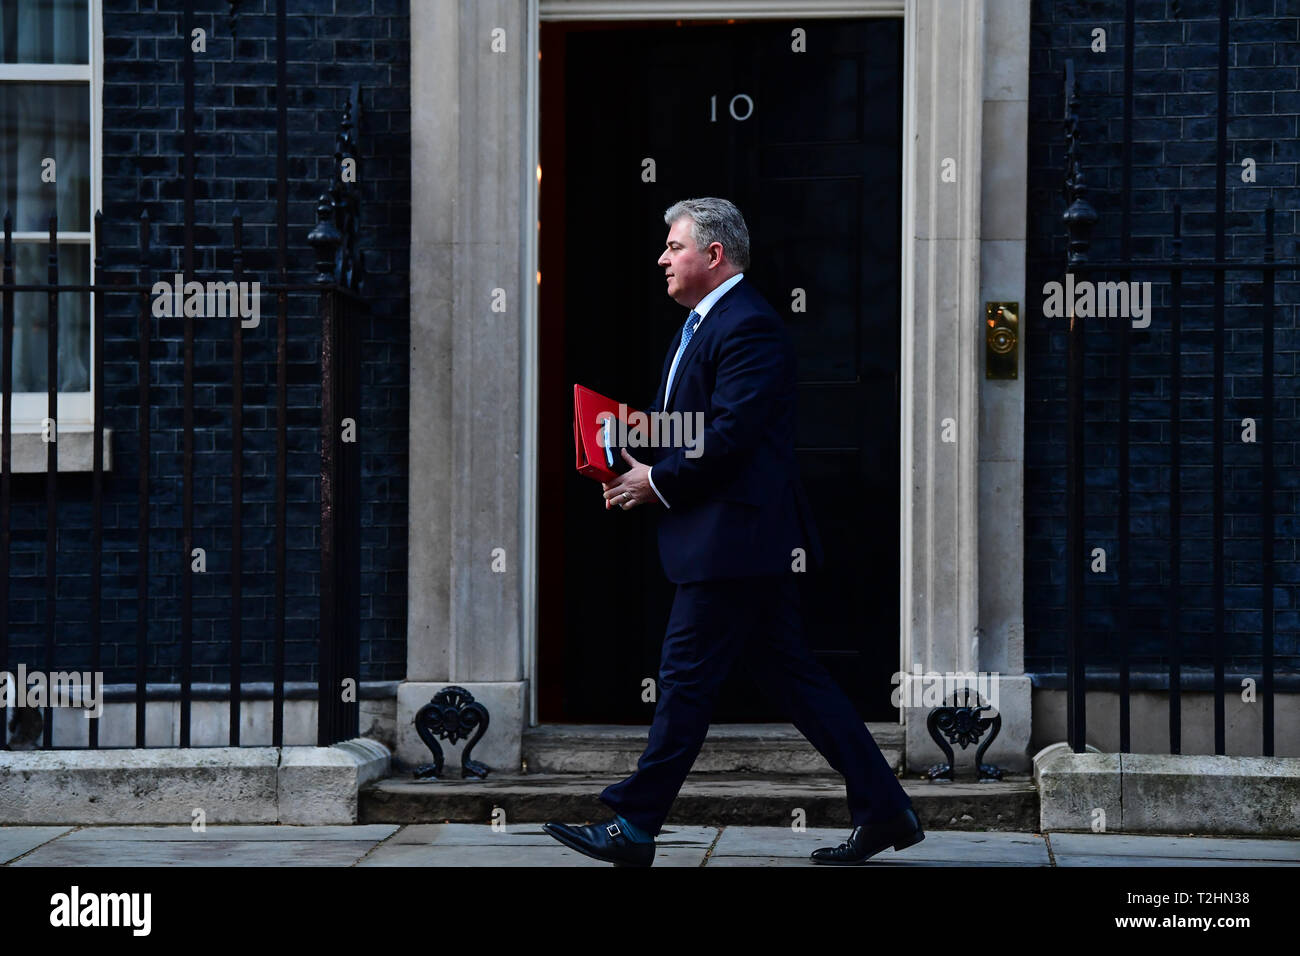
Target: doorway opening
(803, 131)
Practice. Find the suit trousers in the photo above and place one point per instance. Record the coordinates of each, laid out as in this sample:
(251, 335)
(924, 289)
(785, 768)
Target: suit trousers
(755, 620)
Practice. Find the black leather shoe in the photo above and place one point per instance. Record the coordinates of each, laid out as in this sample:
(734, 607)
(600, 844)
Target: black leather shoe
(869, 839)
(603, 841)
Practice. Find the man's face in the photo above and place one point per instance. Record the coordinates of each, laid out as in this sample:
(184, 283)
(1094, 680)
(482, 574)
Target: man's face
(687, 268)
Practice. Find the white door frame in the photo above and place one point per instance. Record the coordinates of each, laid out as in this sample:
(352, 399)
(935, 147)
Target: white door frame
(474, 155)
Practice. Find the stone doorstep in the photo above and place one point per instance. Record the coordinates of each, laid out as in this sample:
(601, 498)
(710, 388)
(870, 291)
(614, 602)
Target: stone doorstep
(705, 799)
(290, 785)
(1202, 794)
(770, 748)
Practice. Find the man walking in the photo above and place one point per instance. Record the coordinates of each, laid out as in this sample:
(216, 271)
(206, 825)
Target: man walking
(731, 519)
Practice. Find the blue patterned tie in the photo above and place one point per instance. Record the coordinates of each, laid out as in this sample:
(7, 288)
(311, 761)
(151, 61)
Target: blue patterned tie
(688, 330)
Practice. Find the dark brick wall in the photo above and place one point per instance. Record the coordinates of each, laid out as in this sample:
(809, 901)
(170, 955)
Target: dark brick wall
(331, 44)
(1173, 154)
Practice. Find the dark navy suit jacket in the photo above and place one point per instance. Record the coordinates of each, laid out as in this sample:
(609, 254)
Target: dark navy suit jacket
(739, 508)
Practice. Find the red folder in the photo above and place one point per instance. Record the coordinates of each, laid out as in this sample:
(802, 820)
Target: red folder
(590, 410)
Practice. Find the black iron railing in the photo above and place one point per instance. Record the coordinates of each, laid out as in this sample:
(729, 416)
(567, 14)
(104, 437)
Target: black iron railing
(1080, 217)
(338, 288)
(339, 309)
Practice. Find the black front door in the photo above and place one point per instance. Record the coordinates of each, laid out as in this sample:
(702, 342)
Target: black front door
(800, 124)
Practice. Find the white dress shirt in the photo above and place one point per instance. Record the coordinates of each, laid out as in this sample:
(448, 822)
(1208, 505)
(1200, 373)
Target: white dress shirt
(702, 309)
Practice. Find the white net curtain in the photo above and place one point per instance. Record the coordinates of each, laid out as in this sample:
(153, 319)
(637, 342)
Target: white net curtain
(43, 118)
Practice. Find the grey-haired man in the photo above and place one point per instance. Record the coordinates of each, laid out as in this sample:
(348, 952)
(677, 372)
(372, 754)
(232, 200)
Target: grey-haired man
(730, 520)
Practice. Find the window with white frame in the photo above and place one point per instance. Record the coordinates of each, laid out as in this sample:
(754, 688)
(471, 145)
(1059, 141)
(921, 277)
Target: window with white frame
(48, 154)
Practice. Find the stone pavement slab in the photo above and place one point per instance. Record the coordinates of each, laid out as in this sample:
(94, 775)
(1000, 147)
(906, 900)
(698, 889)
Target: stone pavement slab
(471, 834)
(1131, 861)
(250, 833)
(1117, 849)
(519, 844)
(774, 846)
(884, 860)
(15, 841)
(267, 845)
(524, 844)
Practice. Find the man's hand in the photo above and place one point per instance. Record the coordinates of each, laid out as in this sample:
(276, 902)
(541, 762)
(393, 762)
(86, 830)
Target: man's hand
(630, 488)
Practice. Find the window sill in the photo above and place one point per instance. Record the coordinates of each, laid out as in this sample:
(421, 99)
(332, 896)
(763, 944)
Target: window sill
(76, 449)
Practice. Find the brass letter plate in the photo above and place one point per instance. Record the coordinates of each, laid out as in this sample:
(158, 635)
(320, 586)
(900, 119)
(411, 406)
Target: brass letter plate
(1001, 340)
